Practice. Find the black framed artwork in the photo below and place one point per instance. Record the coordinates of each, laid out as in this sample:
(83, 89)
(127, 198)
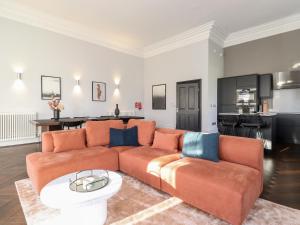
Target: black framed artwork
(50, 87)
(159, 92)
(98, 91)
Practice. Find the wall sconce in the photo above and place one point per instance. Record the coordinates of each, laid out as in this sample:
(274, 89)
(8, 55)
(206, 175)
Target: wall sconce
(18, 84)
(19, 76)
(77, 89)
(117, 89)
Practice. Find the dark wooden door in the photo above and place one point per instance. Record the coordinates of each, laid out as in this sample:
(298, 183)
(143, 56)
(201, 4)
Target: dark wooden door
(188, 115)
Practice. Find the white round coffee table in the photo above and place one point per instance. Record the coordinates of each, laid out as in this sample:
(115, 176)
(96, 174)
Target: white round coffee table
(88, 208)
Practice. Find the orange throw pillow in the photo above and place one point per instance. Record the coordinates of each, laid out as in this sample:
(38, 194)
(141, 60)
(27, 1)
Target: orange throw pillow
(146, 129)
(166, 141)
(69, 140)
(97, 132)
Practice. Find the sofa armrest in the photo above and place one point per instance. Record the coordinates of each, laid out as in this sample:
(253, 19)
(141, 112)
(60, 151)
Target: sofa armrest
(244, 151)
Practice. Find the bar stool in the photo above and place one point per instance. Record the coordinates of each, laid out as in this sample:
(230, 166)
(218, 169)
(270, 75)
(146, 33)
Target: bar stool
(251, 126)
(227, 124)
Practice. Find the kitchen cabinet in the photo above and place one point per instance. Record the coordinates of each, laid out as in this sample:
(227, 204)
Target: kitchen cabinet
(266, 86)
(288, 127)
(227, 94)
(248, 81)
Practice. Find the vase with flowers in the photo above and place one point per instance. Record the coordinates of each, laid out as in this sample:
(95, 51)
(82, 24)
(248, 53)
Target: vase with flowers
(56, 106)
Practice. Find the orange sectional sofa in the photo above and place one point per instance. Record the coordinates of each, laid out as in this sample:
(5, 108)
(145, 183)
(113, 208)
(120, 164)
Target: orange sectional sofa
(226, 189)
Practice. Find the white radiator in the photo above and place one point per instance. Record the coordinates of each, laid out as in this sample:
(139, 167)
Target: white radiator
(15, 127)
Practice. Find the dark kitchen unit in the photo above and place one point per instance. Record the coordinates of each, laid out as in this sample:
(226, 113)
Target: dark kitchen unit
(241, 101)
(251, 125)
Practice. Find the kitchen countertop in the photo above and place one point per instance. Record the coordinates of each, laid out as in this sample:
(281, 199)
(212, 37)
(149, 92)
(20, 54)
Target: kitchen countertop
(248, 114)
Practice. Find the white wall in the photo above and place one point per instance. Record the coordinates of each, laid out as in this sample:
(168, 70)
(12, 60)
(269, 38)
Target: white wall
(202, 60)
(215, 71)
(286, 101)
(39, 52)
(186, 63)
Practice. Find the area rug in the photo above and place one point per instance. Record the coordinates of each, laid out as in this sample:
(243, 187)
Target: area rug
(138, 203)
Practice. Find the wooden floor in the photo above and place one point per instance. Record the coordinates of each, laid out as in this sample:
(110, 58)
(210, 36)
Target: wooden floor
(281, 180)
(282, 176)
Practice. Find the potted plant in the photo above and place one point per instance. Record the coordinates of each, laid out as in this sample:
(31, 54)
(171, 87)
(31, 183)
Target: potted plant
(56, 106)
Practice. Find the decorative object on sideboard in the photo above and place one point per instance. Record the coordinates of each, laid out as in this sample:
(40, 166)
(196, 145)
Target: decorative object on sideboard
(117, 110)
(159, 96)
(56, 106)
(138, 105)
(265, 106)
(50, 87)
(98, 91)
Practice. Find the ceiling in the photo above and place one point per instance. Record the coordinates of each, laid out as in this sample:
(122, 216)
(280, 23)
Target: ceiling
(140, 23)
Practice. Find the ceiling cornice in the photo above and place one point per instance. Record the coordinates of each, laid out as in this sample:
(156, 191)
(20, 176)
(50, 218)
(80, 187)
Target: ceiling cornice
(35, 18)
(264, 30)
(180, 40)
(206, 31)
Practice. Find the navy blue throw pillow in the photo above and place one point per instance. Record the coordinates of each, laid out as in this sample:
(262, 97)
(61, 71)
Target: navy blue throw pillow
(201, 145)
(124, 137)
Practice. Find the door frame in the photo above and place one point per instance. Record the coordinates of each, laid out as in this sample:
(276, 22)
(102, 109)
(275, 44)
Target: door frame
(199, 82)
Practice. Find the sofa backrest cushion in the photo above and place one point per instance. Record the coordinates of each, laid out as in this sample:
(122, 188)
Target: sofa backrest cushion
(124, 137)
(97, 132)
(69, 140)
(174, 131)
(244, 151)
(146, 129)
(166, 141)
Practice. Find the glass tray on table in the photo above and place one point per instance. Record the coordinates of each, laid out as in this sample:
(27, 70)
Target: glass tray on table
(87, 181)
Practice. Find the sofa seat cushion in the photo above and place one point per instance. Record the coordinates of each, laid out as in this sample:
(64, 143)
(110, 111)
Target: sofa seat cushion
(224, 189)
(144, 163)
(44, 167)
(122, 148)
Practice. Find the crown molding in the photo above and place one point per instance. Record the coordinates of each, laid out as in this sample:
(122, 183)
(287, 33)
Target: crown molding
(264, 30)
(35, 18)
(206, 31)
(188, 37)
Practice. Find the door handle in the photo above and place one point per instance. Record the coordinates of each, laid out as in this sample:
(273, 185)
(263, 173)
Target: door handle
(177, 110)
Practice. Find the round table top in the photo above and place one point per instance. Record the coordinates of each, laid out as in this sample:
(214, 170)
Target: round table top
(57, 193)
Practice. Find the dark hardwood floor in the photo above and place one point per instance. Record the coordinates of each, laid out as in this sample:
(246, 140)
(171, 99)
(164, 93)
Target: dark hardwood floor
(282, 176)
(281, 180)
(12, 168)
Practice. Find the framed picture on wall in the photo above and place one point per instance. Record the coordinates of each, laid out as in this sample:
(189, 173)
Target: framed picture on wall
(159, 96)
(98, 91)
(50, 87)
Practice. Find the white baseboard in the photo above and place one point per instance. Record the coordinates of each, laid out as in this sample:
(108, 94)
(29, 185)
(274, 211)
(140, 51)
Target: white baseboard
(19, 142)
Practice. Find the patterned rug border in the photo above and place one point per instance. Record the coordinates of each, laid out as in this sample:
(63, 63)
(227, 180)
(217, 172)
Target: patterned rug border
(278, 214)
